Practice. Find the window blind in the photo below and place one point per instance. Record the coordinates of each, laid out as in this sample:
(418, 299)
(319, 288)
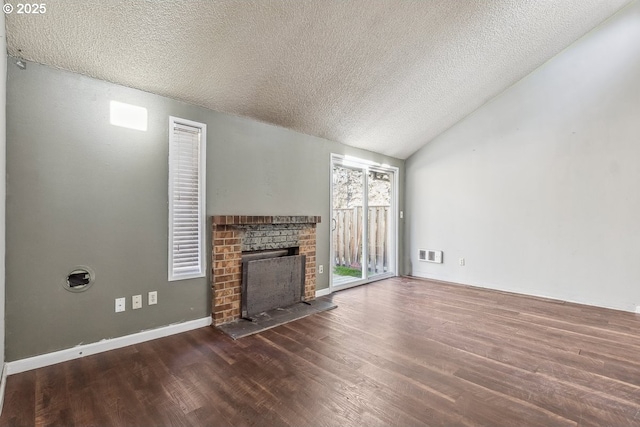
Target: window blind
(186, 210)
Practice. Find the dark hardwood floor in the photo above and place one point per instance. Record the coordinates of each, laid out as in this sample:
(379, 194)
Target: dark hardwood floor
(396, 352)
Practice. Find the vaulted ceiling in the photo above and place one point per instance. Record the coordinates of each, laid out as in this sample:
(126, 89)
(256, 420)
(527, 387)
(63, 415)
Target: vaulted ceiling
(384, 75)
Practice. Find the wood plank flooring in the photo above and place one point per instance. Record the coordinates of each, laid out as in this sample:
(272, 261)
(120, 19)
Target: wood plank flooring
(400, 352)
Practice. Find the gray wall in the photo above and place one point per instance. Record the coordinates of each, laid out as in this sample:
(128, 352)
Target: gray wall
(83, 192)
(539, 190)
(3, 164)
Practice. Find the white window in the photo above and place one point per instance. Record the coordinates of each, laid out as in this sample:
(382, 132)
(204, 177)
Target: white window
(187, 145)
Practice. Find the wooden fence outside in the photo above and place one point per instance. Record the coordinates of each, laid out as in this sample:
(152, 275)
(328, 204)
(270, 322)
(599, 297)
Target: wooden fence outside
(347, 238)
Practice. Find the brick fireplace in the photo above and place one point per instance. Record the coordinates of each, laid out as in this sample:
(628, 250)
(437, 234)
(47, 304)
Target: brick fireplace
(234, 235)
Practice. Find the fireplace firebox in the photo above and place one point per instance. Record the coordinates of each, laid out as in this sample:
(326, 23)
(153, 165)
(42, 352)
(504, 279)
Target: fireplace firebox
(271, 279)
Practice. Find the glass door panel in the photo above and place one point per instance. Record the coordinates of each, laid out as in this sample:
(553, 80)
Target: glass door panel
(380, 219)
(347, 225)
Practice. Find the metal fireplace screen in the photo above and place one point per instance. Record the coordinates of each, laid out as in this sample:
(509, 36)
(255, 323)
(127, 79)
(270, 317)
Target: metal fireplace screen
(271, 283)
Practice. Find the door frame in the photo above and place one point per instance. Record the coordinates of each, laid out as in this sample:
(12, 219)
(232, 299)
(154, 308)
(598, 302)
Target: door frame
(365, 166)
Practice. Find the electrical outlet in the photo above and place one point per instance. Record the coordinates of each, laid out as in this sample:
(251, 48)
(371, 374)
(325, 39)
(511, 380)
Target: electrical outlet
(401, 214)
(136, 302)
(461, 261)
(153, 297)
(120, 304)
(321, 269)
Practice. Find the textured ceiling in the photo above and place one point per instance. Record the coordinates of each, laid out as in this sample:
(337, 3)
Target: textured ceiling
(387, 76)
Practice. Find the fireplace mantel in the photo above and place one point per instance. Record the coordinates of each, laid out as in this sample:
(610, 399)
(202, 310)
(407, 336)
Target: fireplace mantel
(235, 234)
(252, 219)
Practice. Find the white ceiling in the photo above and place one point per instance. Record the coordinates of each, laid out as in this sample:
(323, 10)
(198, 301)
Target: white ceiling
(384, 75)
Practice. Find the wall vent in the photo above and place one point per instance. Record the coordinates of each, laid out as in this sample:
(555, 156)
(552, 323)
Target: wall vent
(430, 256)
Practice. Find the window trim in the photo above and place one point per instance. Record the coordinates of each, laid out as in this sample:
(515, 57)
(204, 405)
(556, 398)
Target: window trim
(173, 121)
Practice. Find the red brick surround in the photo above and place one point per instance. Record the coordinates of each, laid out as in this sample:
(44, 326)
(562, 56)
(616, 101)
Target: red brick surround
(226, 258)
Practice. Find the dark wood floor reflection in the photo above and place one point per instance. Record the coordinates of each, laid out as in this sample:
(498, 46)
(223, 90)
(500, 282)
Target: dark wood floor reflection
(396, 352)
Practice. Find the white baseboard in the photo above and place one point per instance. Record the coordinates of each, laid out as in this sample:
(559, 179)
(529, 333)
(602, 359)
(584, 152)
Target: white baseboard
(83, 350)
(323, 292)
(3, 384)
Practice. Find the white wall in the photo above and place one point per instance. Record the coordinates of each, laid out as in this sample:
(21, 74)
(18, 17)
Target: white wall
(82, 192)
(539, 190)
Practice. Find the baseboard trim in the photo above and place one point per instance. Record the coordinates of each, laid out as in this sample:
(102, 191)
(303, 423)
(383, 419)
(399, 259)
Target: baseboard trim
(323, 292)
(493, 287)
(83, 350)
(3, 385)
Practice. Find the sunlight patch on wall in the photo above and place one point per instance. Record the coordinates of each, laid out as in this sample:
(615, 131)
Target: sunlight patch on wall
(128, 116)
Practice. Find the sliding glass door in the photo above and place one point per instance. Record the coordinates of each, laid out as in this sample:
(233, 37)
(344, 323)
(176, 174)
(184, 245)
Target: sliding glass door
(363, 232)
